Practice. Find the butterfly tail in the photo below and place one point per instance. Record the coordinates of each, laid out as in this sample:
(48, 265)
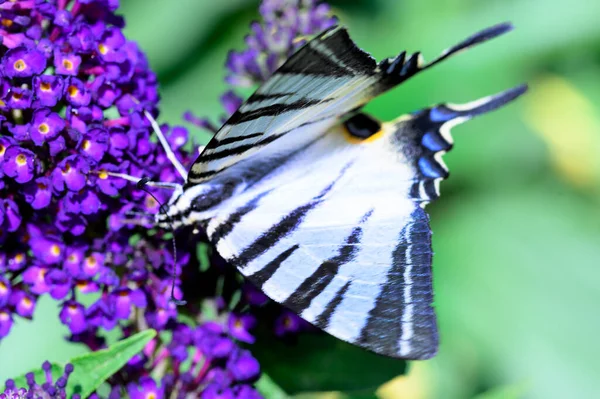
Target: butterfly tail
(398, 69)
(462, 112)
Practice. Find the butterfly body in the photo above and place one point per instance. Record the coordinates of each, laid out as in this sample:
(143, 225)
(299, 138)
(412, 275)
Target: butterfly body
(321, 206)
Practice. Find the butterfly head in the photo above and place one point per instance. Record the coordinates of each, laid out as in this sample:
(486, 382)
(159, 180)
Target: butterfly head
(193, 204)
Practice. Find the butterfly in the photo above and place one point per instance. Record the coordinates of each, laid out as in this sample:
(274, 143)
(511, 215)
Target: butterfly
(321, 205)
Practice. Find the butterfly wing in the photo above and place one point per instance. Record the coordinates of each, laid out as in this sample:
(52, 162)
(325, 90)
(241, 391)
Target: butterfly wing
(322, 82)
(338, 232)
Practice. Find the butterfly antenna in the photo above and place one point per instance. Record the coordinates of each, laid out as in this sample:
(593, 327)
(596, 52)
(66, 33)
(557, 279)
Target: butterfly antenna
(142, 186)
(163, 141)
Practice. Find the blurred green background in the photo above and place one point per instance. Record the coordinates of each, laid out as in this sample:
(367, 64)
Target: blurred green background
(517, 230)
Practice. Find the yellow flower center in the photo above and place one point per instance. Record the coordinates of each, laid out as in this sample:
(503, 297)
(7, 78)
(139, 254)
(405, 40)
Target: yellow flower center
(68, 65)
(27, 302)
(17, 96)
(103, 174)
(150, 203)
(287, 322)
(86, 145)
(2, 149)
(4, 316)
(151, 395)
(91, 261)
(41, 186)
(73, 91)
(72, 309)
(20, 65)
(3, 288)
(55, 250)
(81, 285)
(67, 169)
(7, 23)
(2, 104)
(102, 48)
(19, 258)
(42, 276)
(45, 86)
(21, 160)
(43, 128)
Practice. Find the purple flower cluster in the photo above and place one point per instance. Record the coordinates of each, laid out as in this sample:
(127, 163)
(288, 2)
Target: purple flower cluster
(286, 24)
(48, 389)
(202, 360)
(73, 93)
(73, 97)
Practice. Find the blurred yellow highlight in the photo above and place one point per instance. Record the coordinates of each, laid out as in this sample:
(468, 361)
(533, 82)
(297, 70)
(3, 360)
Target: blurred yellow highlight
(416, 384)
(567, 122)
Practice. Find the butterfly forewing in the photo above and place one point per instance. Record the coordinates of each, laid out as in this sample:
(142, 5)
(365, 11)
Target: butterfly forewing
(322, 81)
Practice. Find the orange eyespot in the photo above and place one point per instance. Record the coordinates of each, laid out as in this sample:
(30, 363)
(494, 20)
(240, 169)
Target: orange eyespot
(45, 86)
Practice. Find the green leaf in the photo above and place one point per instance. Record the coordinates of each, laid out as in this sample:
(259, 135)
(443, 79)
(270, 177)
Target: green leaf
(203, 254)
(92, 369)
(516, 391)
(269, 389)
(40, 375)
(320, 362)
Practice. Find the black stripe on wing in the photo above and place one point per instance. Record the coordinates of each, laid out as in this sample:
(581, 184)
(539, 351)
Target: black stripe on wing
(271, 110)
(322, 321)
(282, 228)
(332, 53)
(261, 276)
(402, 323)
(320, 279)
(226, 226)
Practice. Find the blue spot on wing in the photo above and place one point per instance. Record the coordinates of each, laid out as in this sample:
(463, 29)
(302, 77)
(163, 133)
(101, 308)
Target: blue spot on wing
(439, 114)
(433, 141)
